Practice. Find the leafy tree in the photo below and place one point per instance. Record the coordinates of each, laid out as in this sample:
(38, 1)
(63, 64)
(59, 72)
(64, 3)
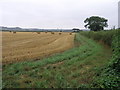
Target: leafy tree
(96, 23)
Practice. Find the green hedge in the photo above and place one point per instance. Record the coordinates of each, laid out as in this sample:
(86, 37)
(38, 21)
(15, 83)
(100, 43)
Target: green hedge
(108, 76)
(105, 36)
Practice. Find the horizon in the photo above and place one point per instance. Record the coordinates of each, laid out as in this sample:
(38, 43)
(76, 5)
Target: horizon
(40, 28)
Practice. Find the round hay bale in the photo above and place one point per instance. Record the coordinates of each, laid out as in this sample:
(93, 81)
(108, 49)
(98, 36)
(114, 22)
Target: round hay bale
(60, 33)
(52, 33)
(14, 32)
(38, 32)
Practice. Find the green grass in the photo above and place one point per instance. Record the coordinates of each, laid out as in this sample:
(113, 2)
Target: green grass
(76, 67)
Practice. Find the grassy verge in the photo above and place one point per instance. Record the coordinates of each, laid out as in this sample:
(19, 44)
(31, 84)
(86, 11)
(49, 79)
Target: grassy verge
(109, 75)
(76, 67)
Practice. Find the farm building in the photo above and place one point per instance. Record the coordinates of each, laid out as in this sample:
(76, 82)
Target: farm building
(76, 30)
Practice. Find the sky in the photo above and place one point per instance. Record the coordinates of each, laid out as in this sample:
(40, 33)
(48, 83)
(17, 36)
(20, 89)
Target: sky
(60, 14)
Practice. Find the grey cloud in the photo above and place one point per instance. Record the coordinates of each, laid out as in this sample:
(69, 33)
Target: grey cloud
(56, 13)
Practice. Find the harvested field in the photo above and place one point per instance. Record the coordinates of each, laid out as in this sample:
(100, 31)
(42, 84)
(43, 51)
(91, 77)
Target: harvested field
(22, 46)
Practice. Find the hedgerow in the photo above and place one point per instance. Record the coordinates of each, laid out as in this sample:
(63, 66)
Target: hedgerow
(108, 76)
(105, 36)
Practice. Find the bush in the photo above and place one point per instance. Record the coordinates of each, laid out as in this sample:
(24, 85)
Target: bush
(109, 76)
(105, 36)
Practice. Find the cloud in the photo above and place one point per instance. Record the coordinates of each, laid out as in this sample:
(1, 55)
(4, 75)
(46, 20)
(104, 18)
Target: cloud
(55, 13)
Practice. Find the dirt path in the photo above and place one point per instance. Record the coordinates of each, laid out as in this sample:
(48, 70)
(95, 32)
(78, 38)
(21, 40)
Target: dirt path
(31, 46)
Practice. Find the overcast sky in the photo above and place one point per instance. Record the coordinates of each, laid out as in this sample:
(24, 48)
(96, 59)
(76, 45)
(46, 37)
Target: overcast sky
(56, 13)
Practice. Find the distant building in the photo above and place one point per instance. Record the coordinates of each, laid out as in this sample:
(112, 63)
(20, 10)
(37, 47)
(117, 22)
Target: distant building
(76, 30)
(119, 14)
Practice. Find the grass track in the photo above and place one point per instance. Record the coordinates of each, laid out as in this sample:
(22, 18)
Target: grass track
(76, 67)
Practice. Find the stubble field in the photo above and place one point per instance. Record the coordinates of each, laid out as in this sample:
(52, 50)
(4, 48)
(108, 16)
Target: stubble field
(22, 46)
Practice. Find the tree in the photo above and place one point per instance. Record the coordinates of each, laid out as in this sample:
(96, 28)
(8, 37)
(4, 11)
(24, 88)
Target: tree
(96, 23)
